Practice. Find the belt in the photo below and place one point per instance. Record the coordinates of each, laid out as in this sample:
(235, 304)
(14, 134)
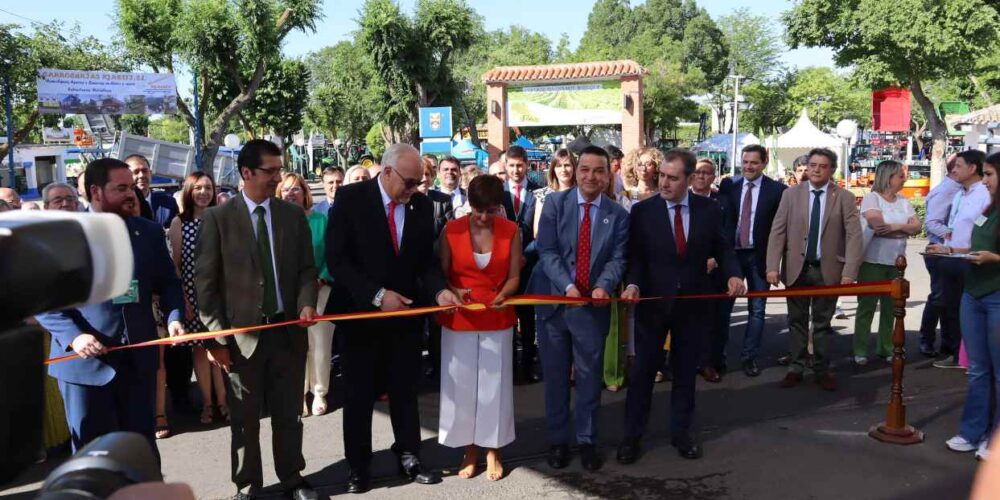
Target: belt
(277, 318)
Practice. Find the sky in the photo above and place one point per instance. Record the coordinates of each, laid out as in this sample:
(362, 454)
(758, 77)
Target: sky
(551, 17)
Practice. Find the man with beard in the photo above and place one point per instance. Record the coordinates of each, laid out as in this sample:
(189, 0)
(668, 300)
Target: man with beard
(107, 392)
(254, 266)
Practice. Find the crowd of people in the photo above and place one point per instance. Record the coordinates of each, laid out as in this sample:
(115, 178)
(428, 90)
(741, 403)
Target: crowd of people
(427, 231)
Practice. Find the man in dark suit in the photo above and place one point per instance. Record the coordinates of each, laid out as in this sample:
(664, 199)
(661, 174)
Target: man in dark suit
(383, 260)
(749, 205)
(450, 178)
(519, 203)
(333, 178)
(671, 237)
(107, 392)
(253, 266)
(582, 236)
(163, 205)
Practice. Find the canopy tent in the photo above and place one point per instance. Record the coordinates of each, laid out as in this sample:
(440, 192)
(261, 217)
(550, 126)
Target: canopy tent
(467, 151)
(723, 143)
(534, 154)
(799, 139)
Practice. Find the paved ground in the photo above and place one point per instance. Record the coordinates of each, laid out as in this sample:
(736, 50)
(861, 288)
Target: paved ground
(760, 441)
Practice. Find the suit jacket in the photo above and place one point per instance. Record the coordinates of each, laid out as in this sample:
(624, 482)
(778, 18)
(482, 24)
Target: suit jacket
(840, 244)
(443, 211)
(558, 238)
(119, 324)
(731, 197)
(526, 217)
(654, 265)
(228, 277)
(164, 208)
(361, 258)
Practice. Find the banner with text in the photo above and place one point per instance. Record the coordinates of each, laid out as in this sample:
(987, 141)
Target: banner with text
(596, 103)
(104, 92)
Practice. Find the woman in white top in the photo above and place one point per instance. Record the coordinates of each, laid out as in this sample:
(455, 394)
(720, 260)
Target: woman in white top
(640, 169)
(887, 219)
(561, 176)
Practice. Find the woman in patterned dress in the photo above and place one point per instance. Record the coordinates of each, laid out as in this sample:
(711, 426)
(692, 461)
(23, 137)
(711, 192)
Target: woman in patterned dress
(197, 195)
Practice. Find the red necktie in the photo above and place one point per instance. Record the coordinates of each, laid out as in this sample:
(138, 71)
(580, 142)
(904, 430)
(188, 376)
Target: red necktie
(392, 226)
(517, 199)
(583, 253)
(679, 232)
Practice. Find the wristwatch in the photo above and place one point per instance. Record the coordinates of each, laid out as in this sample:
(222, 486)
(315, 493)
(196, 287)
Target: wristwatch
(377, 301)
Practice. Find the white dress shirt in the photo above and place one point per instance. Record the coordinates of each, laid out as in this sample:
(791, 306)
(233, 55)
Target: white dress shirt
(251, 206)
(594, 207)
(521, 188)
(400, 213)
(754, 196)
(967, 206)
(823, 191)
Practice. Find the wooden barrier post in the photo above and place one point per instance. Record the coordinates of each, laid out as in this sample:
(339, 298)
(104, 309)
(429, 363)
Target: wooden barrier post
(894, 429)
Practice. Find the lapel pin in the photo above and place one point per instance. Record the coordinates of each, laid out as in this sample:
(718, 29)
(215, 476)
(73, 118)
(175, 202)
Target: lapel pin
(606, 221)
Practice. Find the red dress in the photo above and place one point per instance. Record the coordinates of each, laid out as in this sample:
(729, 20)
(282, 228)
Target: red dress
(484, 283)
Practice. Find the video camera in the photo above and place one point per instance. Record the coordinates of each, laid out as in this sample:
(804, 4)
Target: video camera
(49, 260)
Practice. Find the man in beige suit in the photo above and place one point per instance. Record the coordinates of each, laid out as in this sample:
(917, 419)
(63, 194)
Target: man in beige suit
(816, 239)
(254, 265)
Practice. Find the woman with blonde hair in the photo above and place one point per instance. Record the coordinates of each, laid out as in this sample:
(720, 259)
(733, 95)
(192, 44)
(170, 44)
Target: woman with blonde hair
(640, 170)
(357, 173)
(294, 189)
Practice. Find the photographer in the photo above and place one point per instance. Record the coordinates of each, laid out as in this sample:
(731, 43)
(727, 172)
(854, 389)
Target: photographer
(111, 392)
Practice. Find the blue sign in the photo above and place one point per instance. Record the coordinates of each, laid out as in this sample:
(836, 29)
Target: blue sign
(441, 147)
(435, 122)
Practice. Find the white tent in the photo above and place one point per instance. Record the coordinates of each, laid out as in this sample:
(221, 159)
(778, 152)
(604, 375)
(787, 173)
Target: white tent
(801, 138)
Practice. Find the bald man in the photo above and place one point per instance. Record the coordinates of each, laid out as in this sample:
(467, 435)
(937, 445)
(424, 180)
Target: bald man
(11, 197)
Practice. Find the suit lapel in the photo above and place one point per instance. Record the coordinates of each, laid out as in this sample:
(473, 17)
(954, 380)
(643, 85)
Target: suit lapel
(408, 221)
(381, 219)
(664, 226)
(570, 225)
(831, 200)
(278, 227)
(806, 198)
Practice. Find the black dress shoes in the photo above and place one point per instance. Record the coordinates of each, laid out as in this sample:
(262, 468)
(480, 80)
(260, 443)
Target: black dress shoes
(558, 456)
(416, 473)
(303, 491)
(686, 448)
(589, 458)
(359, 482)
(628, 451)
(710, 374)
(750, 368)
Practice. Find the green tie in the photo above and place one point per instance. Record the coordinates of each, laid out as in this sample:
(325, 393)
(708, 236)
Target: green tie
(811, 249)
(270, 306)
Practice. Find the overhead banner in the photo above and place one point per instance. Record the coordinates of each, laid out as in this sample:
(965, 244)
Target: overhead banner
(596, 103)
(104, 92)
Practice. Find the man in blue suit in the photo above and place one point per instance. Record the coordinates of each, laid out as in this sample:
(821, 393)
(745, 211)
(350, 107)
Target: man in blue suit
(519, 203)
(582, 240)
(749, 205)
(671, 237)
(163, 205)
(106, 392)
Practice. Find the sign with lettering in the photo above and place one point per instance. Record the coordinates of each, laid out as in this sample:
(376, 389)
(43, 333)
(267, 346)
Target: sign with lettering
(105, 92)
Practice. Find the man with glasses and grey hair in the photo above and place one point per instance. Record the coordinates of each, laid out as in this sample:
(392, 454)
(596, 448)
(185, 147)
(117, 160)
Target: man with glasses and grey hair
(60, 196)
(383, 261)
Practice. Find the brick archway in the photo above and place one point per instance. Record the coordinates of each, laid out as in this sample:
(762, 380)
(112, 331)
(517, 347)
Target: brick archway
(497, 80)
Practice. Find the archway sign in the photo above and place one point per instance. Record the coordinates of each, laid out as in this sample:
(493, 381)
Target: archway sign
(591, 93)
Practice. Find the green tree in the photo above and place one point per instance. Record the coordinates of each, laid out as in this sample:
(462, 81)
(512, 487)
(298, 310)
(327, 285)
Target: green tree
(280, 101)
(611, 26)
(828, 97)
(169, 128)
(909, 42)
(222, 41)
(769, 108)
(52, 45)
(412, 58)
(134, 124)
(376, 141)
(755, 48)
(341, 101)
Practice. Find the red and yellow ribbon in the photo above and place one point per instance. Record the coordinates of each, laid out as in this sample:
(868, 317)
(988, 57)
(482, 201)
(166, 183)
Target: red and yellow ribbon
(859, 289)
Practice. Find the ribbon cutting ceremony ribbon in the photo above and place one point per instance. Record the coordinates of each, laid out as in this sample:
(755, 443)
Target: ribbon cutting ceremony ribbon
(858, 289)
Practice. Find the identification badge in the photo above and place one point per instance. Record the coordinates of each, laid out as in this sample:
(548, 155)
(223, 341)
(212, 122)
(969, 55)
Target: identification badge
(981, 220)
(129, 297)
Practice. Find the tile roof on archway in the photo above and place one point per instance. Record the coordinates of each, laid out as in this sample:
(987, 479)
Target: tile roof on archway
(596, 70)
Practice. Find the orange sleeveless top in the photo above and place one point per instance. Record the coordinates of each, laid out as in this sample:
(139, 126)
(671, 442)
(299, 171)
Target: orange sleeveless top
(484, 283)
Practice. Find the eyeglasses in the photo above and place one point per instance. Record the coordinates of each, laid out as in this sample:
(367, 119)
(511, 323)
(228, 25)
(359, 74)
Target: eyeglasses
(293, 189)
(408, 184)
(270, 172)
(60, 200)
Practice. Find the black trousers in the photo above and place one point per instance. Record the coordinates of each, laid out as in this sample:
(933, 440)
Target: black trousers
(686, 346)
(952, 275)
(179, 364)
(366, 351)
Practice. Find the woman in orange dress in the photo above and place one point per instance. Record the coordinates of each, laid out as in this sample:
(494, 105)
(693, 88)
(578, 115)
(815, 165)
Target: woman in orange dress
(481, 257)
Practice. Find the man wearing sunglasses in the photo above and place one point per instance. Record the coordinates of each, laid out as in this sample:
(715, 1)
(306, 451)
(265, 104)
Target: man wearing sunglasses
(380, 252)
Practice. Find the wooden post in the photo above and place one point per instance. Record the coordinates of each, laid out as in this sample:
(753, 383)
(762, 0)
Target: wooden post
(894, 429)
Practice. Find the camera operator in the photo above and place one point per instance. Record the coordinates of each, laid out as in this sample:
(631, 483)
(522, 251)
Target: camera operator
(106, 392)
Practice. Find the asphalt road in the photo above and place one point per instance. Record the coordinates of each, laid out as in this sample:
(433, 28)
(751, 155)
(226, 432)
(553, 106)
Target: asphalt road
(760, 441)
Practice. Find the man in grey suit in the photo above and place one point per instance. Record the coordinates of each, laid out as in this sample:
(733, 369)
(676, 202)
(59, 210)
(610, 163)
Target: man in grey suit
(582, 241)
(254, 265)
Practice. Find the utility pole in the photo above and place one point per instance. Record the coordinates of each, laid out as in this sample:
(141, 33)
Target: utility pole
(197, 128)
(736, 121)
(10, 121)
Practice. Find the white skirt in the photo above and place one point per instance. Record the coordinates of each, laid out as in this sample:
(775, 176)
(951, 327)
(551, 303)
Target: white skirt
(477, 389)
